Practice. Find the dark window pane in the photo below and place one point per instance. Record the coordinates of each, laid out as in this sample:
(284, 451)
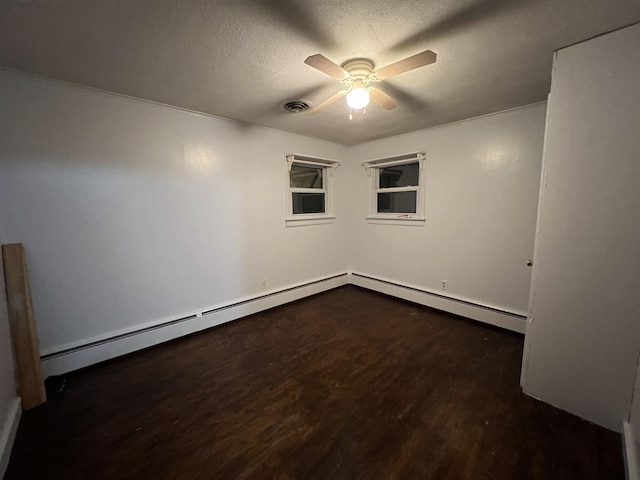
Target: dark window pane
(397, 202)
(302, 176)
(399, 176)
(308, 203)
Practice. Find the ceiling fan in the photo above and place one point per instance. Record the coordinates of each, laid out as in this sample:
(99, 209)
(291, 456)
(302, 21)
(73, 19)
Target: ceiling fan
(358, 74)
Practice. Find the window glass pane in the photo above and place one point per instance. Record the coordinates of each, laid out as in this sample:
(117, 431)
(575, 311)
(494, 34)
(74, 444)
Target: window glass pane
(302, 176)
(308, 203)
(397, 202)
(399, 176)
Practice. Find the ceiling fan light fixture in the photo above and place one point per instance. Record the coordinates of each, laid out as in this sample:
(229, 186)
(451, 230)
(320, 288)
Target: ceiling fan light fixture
(358, 98)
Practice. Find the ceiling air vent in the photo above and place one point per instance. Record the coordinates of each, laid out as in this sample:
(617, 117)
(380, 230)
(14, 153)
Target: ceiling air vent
(296, 106)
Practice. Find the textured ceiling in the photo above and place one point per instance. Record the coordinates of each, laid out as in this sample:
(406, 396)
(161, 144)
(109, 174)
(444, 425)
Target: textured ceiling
(240, 58)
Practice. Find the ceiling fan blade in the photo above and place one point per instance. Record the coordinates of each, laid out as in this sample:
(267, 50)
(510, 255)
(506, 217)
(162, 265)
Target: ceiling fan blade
(326, 66)
(415, 61)
(382, 99)
(327, 102)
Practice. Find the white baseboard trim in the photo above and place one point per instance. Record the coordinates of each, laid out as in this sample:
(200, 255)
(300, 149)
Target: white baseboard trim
(8, 433)
(82, 354)
(94, 351)
(482, 313)
(630, 452)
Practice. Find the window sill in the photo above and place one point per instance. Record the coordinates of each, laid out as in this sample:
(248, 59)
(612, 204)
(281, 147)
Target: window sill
(397, 220)
(301, 222)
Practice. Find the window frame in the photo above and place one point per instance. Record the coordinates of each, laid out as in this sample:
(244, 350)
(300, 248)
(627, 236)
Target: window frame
(373, 168)
(328, 169)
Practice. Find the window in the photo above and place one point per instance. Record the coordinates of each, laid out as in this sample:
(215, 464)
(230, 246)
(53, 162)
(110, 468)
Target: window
(309, 190)
(396, 192)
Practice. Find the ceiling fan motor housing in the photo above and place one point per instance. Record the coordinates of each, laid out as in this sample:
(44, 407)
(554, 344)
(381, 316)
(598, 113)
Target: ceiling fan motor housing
(359, 68)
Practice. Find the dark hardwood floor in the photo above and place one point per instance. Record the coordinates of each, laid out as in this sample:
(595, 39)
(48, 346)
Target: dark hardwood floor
(347, 384)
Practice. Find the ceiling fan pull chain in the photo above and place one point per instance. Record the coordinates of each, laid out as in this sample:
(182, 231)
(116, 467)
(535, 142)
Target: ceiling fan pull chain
(350, 114)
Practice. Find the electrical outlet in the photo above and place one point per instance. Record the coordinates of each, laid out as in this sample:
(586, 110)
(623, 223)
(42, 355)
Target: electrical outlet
(444, 284)
(263, 283)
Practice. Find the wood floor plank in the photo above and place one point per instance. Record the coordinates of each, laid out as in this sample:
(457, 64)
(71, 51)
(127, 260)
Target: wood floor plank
(347, 384)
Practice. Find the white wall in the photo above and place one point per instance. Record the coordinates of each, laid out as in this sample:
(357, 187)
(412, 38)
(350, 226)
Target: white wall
(584, 338)
(132, 213)
(9, 401)
(481, 198)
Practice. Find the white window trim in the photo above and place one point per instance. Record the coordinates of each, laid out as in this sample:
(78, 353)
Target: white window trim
(373, 171)
(301, 219)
